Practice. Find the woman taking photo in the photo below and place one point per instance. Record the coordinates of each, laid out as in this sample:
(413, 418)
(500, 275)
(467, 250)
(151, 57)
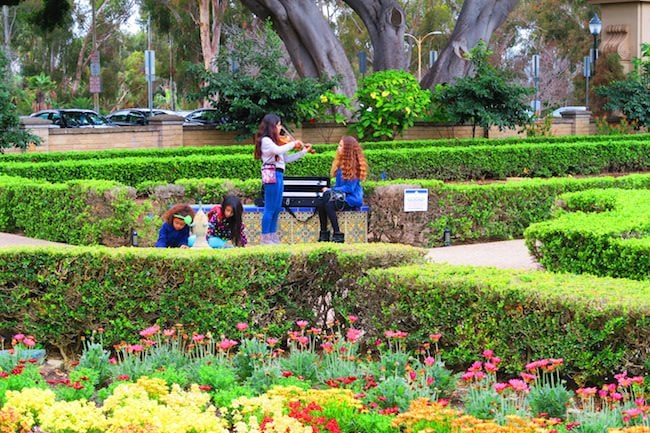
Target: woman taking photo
(273, 154)
(350, 168)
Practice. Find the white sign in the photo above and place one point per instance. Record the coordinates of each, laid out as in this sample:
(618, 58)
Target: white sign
(95, 67)
(150, 64)
(416, 200)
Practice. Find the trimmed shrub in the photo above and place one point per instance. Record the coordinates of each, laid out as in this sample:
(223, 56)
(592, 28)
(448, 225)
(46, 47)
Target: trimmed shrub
(598, 325)
(61, 294)
(600, 232)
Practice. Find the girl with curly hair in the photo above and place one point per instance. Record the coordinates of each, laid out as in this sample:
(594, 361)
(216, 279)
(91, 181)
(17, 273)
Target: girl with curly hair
(350, 168)
(175, 230)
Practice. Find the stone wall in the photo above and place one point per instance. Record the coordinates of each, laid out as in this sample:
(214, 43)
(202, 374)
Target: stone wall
(169, 131)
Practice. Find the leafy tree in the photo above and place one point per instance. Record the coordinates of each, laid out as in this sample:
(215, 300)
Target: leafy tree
(251, 82)
(42, 87)
(631, 96)
(11, 135)
(389, 102)
(485, 99)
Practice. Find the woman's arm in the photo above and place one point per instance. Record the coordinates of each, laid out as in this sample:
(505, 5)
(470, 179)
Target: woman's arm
(295, 156)
(269, 146)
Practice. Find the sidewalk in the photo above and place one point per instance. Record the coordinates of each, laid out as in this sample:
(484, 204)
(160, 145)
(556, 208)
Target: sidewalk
(505, 254)
(11, 240)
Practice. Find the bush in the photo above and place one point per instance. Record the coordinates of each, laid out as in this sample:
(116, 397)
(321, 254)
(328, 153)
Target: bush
(600, 232)
(598, 325)
(389, 102)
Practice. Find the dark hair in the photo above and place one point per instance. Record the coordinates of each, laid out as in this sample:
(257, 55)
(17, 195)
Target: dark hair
(267, 128)
(179, 209)
(235, 221)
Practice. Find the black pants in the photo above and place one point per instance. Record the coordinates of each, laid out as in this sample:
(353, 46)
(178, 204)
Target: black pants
(328, 209)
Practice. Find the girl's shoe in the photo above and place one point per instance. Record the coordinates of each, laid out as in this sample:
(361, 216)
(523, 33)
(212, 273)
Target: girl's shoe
(275, 239)
(265, 239)
(338, 237)
(324, 236)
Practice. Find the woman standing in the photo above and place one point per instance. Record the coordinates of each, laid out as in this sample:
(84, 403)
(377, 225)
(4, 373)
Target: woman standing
(350, 168)
(274, 158)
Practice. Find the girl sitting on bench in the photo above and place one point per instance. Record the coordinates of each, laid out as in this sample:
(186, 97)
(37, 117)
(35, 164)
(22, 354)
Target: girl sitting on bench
(225, 224)
(350, 168)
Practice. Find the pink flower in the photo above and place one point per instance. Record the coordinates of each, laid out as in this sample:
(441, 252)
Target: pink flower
(527, 377)
(302, 340)
(150, 331)
(19, 337)
(112, 361)
(632, 412)
(353, 334)
(435, 337)
(413, 375)
(558, 361)
(29, 342)
(479, 375)
(226, 344)
(429, 380)
(490, 368)
(302, 324)
(532, 365)
(272, 341)
(197, 338)
(241, 326)
(602, 393)
(429, 361)
(617, 396)
(476, 366)
(500, 387)
(488, 353)
(469, 375)
(327, 347)
(352, 318)
(136, 348)
(169, 332)
(639, 402)
(495, 360)
(518, 385)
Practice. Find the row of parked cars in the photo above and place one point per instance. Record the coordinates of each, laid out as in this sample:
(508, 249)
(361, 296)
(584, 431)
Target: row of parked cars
(81, 118)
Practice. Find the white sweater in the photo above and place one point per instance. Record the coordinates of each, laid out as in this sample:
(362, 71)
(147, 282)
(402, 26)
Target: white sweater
(270, 150)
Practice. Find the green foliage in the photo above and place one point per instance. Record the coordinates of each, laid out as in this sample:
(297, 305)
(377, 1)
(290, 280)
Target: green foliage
(540, 129)
(259, 85)
(597, 325)
(389, 102)
(61, 293)
(631, 97)
(11, 135)
(601, 232)
(485, 99)
(330, 107)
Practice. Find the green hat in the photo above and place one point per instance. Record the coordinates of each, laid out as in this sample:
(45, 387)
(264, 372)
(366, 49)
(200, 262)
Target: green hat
(186, 218)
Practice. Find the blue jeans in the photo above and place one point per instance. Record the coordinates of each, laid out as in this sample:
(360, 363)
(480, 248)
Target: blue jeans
(272, 204)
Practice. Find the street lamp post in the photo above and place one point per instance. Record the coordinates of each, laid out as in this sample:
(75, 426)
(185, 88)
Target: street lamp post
(595, 27)
(418, 43)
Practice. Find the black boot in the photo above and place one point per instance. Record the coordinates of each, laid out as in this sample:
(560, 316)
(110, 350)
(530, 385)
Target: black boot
(324, 236)
(338, 237)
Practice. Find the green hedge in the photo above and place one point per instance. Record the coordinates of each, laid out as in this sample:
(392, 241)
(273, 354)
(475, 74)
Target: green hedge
(75, 212)
(598, 325)
(247, 149)
(61, 294)
(450, 163)
(601, 232)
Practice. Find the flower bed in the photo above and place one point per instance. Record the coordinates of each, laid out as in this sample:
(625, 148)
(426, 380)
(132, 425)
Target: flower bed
(310, 380)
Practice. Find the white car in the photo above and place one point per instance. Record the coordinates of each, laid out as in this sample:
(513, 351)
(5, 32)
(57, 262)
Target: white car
(558, 111)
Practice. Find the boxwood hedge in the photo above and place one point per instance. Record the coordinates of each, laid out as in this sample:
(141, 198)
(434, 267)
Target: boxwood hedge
(601, 232)
(599, 326)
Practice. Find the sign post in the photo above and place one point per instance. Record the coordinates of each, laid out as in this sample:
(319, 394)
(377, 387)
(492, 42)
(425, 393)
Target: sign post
(416, 200)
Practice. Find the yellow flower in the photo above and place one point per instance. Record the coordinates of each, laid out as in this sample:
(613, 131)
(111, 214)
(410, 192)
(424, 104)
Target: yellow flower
(30, 402)
(323, 98)
(12, 421)
(155, 387)
(79, 416)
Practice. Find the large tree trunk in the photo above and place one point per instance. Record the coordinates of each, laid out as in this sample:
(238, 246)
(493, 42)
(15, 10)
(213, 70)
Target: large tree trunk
(477, 21)
(314, 49)
(385, 22)
(210, 30)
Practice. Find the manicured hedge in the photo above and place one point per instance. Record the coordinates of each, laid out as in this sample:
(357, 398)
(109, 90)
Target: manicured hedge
(61, 294)
(601, 232)
(598, 325)
(443, 163)
(247, 148)
(75, 212)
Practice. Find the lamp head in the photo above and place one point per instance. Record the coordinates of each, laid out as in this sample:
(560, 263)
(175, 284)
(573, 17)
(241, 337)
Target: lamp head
(595, 25)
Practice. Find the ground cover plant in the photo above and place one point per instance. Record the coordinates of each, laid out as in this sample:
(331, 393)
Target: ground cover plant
(310, 379)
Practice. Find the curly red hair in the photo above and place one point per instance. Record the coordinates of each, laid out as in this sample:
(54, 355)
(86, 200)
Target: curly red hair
(350, 160)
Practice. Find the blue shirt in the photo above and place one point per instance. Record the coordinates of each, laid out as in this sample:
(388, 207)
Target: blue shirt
(351, 188)
(169, 237)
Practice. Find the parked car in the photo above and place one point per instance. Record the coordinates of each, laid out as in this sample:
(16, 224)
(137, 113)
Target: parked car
(558, 111)
(135, 116)
(74, 118)
(203, 116)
